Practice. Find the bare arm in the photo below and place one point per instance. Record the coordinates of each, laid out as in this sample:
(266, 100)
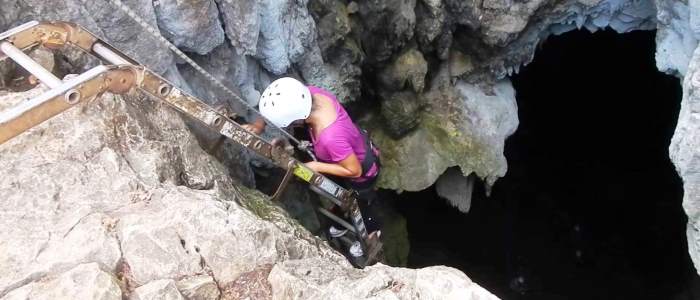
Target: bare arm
(256, 127)
(349, 167)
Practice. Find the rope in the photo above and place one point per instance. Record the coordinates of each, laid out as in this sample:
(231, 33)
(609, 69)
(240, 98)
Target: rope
(156, 33)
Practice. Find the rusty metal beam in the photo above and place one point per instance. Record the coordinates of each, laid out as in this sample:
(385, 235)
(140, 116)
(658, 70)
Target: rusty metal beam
(161, 89)
(34, 111)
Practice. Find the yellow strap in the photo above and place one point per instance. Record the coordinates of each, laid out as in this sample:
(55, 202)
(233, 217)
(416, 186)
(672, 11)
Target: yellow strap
(303, 172)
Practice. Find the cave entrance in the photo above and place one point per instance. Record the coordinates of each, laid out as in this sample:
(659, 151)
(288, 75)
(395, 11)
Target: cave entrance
(591, 205)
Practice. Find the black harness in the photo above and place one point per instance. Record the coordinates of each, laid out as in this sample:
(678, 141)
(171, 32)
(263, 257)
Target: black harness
(370, 157)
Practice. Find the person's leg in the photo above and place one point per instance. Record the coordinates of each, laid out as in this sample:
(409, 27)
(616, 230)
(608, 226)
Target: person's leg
(335, 229)
(368, 203)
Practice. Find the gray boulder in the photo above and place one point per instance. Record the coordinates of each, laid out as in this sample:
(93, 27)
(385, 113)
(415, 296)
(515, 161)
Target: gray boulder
(191, 25)
(407, 71)
(286, 32)
(157, 290)
(401, 112)
(198, 287)
(387, 27)
(301, 279)
(242, 24)
(85, 281)
(430, 21)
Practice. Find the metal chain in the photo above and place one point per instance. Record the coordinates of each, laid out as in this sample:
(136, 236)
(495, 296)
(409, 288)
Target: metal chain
(156, 33)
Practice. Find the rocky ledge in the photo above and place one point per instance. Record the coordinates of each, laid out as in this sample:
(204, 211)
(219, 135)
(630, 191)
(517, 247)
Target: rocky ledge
(116, 199)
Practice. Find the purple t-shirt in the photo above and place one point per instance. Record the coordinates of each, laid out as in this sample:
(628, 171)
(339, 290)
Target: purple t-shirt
(340, 139)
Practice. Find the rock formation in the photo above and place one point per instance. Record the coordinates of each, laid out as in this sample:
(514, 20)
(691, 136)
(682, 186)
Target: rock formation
(435, 70)
(456, 188)
(115, 198)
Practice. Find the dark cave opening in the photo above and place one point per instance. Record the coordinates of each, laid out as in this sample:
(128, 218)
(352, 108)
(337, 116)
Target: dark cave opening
(591, 205)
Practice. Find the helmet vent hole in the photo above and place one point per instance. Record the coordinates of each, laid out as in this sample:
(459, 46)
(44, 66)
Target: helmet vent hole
(273, 103)
(302, 96)
(278, 94)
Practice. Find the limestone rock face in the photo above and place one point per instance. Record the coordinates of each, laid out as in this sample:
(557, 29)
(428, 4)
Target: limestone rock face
(344, 46)
(401, 112)
(85, 281)
(302, 279)
(193, 26)
(685, 155)
(407, 71)
(116, 198)
(503, 34)
(159, 289)
(286, 32)
(199, 287)
(456, 111)
(242, 22)
(339, 50)
(430, 21)
(462, 126)
(456, 188)
(389, 26)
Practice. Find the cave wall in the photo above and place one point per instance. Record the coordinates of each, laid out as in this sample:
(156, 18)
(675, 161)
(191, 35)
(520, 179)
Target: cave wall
(684, 152)
(436, 70)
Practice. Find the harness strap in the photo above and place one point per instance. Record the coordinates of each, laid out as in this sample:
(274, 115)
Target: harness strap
(370, 157)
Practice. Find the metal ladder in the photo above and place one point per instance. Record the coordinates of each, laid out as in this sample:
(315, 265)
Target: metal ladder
(120, 74)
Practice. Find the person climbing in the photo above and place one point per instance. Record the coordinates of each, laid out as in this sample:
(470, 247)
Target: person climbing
(342, 149)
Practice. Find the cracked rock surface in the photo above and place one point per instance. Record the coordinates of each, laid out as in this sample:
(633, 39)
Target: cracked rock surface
(115, 198)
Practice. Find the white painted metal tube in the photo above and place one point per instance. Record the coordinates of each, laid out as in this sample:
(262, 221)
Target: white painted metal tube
(25, 106)
(18, 29)
(109, 55)
(30, 65)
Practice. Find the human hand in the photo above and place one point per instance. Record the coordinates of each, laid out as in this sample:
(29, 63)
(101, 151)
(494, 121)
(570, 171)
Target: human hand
(252, 128)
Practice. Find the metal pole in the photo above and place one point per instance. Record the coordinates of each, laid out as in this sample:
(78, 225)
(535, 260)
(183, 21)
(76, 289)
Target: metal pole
(30, 65)
(109, 55)
(337, 219)
(18, 29)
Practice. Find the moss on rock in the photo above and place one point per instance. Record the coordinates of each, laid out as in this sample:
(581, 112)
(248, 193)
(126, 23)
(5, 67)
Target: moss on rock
(463, 125)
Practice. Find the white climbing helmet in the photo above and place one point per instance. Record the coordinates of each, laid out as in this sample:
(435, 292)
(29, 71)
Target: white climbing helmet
(284, 101)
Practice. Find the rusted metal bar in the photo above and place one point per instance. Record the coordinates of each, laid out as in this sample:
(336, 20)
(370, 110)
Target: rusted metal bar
(109, 55)
(32, 112)
(157, 87)
(18, 29)
(56, 35)
(338, 220)
(38, 33)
